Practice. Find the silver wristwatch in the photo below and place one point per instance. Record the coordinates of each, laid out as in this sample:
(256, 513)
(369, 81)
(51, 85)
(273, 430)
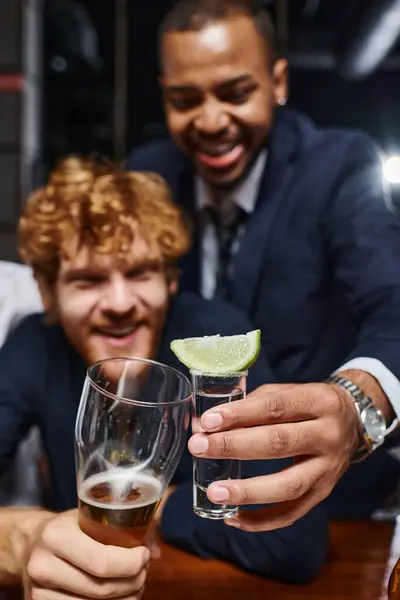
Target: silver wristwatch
(373, 424)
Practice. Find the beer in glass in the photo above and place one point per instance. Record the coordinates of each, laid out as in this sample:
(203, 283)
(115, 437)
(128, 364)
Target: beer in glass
(131, 430)
(394, 583)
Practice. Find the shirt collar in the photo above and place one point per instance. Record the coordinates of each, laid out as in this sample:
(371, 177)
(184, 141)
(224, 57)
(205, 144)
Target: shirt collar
(244, 196)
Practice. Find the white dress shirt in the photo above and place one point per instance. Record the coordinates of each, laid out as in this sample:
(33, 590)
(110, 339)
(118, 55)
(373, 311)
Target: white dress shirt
(245, 198)
(19, 296)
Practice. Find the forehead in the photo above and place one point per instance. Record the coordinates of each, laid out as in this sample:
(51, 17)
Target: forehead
(226, 49)
(87, 258)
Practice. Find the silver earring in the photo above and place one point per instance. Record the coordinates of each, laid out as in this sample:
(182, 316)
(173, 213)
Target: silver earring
(282, 101)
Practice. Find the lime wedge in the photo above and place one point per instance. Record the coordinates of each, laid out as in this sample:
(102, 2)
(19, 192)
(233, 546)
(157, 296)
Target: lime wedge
(216, 354)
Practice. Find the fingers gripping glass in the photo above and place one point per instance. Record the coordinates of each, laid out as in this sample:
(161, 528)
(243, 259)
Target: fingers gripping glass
(130, 433)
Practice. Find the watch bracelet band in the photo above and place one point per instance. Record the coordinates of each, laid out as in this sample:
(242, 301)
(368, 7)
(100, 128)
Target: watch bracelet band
(361, 401)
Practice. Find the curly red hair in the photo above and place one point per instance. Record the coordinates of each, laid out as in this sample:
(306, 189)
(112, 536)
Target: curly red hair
(100, 207)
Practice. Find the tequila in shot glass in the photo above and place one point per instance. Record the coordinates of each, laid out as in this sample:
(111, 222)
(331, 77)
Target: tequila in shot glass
(210, 390)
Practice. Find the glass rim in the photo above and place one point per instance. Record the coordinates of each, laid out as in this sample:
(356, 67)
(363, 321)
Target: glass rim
(197, 373)
(148, 361)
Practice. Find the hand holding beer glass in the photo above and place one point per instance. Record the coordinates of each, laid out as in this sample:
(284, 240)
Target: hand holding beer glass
(131, 430)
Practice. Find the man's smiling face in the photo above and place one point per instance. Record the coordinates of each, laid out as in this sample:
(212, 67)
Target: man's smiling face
(220, 91)
(108, 307)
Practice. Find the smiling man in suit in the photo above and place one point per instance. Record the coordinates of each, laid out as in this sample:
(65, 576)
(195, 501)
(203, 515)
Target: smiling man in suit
(293, 228)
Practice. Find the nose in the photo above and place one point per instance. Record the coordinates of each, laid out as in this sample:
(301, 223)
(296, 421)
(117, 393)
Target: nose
(118, 298)
(212, 119)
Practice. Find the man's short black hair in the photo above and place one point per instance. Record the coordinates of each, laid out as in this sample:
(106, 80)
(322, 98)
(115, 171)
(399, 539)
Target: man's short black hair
(194, 15)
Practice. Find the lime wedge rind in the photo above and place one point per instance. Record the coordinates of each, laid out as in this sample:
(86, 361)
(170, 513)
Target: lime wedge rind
(219, 354)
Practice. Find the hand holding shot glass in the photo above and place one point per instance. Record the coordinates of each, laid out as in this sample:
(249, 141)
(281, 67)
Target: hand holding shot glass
(131, 430)
(218, 367)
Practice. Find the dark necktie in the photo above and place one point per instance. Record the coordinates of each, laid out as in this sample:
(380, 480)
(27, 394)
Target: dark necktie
(227, 233)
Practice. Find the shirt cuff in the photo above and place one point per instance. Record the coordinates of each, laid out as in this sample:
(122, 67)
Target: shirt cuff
(388, 382)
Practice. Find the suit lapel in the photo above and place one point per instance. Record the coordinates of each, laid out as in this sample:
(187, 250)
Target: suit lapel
(277, 177)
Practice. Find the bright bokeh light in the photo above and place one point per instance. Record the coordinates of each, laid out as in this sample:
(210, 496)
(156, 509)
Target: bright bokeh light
(391, 169)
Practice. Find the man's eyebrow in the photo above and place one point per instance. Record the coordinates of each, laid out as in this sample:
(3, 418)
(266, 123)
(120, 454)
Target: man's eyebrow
(81, 273)
(182, 89)
(232, 82)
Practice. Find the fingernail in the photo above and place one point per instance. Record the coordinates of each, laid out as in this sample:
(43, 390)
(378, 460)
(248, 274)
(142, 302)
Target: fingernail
(219, 494)
(233, 523)
(198, 444)
(146, 556)
(211, 420)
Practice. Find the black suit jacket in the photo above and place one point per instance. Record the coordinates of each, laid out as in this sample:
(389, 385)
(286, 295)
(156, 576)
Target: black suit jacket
(318, 268)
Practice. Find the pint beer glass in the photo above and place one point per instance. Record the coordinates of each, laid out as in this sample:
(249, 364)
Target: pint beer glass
(130, 432)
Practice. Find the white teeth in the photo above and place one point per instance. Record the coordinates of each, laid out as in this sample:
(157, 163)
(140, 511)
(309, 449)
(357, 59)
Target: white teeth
(218, 151)
(118, 332)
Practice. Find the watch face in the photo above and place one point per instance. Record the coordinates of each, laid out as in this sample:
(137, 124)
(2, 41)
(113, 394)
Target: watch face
(374, 423)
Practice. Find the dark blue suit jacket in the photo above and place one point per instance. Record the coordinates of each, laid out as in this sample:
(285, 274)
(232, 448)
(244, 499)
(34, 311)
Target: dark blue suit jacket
(41, 379)
(318, 269)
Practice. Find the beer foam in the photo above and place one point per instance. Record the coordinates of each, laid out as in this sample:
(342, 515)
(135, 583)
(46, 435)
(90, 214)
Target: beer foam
(118, 479)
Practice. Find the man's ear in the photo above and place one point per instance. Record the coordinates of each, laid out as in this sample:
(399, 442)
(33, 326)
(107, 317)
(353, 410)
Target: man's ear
(280, 78)
(46, 294)
(173, 286)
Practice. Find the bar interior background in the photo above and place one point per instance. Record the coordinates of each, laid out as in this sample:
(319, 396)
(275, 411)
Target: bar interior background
(81, 76)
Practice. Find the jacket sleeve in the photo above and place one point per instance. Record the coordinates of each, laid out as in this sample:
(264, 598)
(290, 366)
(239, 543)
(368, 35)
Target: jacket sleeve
(293, 554)
(363, 243)
(22, 359)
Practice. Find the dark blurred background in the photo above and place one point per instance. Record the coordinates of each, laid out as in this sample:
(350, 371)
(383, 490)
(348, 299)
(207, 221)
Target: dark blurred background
(81, 76)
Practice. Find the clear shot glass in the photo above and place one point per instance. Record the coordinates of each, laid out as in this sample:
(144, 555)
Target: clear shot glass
(210, 390)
